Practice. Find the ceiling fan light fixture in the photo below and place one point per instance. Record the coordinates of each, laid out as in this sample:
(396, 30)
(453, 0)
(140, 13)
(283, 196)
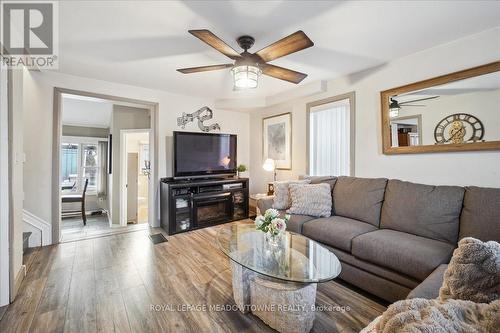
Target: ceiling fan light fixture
(394, 108)
(246, 76)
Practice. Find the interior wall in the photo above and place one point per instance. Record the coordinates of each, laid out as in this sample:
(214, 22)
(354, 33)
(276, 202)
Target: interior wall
(83, 131)
(38, 115)
(4, 187)
(16, 171)
(458, 168)
(123, 117)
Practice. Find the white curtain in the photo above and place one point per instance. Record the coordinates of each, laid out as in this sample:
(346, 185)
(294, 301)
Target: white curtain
(329, 139)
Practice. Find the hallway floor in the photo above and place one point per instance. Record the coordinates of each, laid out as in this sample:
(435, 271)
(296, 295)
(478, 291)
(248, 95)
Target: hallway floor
(72, 228)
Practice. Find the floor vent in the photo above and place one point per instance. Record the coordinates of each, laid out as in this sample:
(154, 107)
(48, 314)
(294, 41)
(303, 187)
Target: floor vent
(158, 238)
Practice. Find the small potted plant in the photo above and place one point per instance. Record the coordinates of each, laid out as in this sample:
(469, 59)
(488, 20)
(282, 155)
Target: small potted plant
(241, 168)
(272, 225)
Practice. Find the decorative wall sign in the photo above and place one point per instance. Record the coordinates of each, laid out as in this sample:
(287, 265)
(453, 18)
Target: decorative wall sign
(277, 140)
(203, 114)
(459, 128)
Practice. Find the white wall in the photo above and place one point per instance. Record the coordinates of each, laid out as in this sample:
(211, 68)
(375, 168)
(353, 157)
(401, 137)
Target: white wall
(39, 90)
(16, 177)
(123, 117)
(464, 168)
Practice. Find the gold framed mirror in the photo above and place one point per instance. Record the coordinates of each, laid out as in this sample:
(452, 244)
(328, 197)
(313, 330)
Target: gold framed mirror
(454, 112)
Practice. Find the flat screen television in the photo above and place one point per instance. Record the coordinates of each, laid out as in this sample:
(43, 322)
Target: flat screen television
(204, 154)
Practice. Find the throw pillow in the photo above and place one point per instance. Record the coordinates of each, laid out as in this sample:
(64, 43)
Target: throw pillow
(313, 200)
(282, 193)
(473, 273)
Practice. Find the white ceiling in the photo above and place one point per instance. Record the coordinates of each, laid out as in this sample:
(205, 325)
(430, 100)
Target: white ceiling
(86, 111)
(142, 43)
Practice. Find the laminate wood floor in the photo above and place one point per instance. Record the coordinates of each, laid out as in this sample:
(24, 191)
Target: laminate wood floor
(72, 228)
(124, 283)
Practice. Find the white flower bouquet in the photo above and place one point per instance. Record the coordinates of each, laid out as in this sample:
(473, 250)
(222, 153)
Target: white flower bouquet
(272, 224)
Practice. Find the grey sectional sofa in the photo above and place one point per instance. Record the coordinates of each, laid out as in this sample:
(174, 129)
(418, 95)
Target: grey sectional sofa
(394, 238)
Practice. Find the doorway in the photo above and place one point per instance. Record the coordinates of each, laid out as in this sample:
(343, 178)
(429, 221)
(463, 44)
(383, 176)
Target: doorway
(89, 165)
(136, 171)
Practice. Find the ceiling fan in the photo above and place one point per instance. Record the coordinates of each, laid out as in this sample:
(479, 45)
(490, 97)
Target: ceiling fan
(247, 67)
(395, 106)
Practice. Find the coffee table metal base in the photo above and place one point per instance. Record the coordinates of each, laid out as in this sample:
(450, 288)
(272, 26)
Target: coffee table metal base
(286, 307)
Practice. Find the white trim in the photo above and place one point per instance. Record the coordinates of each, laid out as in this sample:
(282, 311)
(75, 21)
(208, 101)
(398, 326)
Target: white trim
(123, 174)
(82, 139)
(38, 223)
(90, 125)
(4, 189)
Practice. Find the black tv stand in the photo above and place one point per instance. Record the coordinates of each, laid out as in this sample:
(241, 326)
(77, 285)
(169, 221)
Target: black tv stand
(189, 204)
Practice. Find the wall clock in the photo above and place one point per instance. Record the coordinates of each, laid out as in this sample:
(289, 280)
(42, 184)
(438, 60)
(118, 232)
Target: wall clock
(459, 128)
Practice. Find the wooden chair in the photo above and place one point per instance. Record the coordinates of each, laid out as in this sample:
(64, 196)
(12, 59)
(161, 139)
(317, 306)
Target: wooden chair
(77, 198)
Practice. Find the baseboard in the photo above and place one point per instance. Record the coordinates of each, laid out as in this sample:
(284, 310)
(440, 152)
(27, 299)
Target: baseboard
(18, 280)
(38, 223)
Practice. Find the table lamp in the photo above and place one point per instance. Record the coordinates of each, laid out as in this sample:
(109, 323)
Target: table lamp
(270, 165)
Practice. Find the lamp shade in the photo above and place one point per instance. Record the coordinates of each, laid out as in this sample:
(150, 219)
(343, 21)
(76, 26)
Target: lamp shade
(246, 76)
(269, 164)
(394, 108)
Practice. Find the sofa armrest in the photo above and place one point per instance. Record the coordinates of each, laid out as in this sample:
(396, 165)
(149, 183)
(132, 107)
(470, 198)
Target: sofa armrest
(264, 204)
(429, 288)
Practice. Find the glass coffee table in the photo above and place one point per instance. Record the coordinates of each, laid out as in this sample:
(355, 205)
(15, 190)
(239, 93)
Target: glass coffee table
(277, 282)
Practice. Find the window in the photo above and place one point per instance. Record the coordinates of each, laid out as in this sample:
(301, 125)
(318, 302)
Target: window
(79, 162)
(331, 147)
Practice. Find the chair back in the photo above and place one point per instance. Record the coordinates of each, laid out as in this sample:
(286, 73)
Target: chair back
(85, 188)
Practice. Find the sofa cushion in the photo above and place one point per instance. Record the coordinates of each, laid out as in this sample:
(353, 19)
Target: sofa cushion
(336, 231)
(296, 222)
(481, 214)
(423, 210)
(405, 253)
(359, 198)
(429, 288)
(385, 273)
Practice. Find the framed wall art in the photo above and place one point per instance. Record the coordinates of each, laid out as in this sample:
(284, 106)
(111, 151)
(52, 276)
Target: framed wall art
(277, 140)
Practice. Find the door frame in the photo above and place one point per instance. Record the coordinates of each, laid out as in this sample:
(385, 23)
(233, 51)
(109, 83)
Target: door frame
(123, 174)
(5, 192)
(153, 108)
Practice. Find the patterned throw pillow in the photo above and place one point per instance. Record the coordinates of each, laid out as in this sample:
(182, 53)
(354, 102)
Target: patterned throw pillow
(312, 200)
(282, 193)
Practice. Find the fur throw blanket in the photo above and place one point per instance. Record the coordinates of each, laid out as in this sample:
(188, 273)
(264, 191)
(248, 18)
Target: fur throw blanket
(420, 315)
(471, 281)
(473, 273)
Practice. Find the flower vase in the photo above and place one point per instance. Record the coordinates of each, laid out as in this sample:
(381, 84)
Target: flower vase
(273, 239)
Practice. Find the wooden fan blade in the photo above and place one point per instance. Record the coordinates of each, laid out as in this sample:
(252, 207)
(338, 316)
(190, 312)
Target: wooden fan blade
(283, 73)
(203, 68)
(418, 100)
(215, 42)
(290, 44)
